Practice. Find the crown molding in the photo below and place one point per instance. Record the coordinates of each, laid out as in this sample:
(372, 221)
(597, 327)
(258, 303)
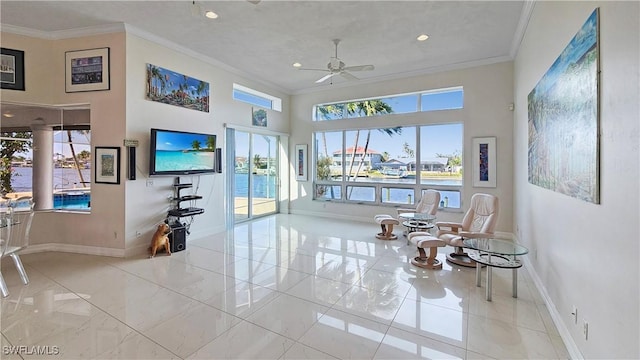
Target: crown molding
(525, 16)
(65, 34)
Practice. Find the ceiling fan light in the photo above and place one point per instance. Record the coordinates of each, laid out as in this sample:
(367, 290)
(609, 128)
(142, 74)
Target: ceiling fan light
(210, 14)
(422, 37)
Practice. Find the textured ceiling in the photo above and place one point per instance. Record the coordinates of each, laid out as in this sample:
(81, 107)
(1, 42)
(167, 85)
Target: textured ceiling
(263, 40)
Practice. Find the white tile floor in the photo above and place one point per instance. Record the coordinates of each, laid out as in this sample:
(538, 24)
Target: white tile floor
(281, 287)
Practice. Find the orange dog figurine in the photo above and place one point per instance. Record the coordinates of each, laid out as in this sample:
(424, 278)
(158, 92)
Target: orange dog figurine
(160, 239)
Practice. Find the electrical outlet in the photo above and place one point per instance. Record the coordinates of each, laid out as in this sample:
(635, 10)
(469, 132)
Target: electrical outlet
(585, 330)
(574, 312)
(138, 234)
(149, 182)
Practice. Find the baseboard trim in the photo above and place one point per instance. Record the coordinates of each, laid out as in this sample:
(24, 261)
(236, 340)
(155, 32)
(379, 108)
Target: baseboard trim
(76, 249)
(569, 343)
(332, 216)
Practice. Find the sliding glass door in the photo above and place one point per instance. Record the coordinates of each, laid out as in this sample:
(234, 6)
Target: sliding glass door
(256, 175)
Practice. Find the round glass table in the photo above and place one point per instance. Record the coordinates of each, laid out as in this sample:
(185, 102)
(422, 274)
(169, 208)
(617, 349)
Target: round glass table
(495, 253)
(417, 221)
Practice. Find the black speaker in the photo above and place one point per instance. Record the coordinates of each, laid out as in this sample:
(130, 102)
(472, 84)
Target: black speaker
(131, 169)
(218, 163)
(178, 237)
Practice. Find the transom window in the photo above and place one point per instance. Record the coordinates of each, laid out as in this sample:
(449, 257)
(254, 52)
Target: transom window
(431, 100)
(255, 97)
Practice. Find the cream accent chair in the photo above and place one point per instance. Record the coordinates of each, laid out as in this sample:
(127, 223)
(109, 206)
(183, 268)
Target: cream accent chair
(428, 204)
(479, 222)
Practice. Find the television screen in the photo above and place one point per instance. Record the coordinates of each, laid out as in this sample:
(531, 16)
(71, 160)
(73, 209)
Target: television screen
(181, 153)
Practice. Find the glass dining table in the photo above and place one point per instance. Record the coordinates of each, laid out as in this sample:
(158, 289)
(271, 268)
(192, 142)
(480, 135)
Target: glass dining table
(495, 253)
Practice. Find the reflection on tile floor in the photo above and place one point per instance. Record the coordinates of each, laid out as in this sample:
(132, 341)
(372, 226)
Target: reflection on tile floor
(280, 287)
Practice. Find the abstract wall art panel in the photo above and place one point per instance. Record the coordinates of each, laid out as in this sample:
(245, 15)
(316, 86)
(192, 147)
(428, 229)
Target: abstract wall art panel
(563, 113)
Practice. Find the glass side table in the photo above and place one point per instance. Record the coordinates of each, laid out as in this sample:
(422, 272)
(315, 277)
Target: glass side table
(417, 221)
(495, 253)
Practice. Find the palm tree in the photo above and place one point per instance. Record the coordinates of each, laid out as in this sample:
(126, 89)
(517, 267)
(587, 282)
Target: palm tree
(257, 161)
(196, 145)
(211, 143)
(368, 108)
(75, 158)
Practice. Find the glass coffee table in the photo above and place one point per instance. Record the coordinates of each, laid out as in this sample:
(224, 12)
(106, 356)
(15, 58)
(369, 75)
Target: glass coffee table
(495, 253)
(417, 221)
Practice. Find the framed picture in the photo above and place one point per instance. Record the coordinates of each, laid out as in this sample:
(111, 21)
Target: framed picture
(107, 165)
(258, 117)
(11, 69)
(484, 162)
(301, 162)
(173, 88)
(87, 70)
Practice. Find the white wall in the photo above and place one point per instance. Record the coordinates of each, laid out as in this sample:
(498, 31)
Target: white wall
(586, 254)
(44, 72)
(488, 92)
(146, 205)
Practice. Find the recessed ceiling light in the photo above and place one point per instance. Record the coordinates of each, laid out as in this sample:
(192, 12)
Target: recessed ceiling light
(297, 65)
(423, 37)
(210, 14)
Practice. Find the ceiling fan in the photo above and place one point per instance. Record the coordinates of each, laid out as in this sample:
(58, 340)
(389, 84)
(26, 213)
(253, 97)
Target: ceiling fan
(337, 67)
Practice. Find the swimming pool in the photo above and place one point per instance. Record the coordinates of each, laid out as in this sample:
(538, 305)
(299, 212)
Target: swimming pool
(72, 200)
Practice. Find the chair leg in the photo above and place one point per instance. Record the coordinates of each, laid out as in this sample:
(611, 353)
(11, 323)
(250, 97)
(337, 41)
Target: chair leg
(3, 287)
(20, 267)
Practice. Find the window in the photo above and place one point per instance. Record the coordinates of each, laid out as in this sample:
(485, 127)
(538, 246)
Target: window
(440, 99)
(255, 97)
(64, 142)
(72, 169)
(388, 166)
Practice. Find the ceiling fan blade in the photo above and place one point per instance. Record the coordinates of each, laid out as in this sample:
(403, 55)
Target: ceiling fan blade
(359, 68)
(325, 70)
(348, 76)
(324, 78)
(254, 2)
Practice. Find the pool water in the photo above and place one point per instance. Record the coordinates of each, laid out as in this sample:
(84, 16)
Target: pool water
(72, 200)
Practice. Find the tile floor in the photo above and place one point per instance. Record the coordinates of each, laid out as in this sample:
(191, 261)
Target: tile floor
(281, 287)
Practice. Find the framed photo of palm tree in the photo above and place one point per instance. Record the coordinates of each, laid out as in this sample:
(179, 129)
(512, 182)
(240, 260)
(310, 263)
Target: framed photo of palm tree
(171, 87)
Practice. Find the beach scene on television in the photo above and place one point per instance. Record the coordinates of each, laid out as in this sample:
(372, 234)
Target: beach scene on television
(177, 151)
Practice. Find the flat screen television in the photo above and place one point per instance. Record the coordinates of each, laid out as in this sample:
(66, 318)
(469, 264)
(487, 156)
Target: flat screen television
(181, 153)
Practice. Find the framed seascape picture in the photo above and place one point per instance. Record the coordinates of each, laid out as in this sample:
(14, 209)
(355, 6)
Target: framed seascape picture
(87, 70)
(301, 162)
(484, 162)
(12, 69)
(107, 165)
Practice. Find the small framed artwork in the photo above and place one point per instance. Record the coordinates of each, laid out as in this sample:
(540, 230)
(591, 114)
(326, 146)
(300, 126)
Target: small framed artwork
(107, 165)
(301, 162)
(258, 117)
(87, 70)
(484, 162)
(11, 69)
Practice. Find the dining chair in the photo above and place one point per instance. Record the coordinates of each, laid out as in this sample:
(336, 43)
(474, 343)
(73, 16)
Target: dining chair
(14, 236)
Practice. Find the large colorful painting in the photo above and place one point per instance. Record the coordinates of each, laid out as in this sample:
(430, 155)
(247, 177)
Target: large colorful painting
(564, 120)
(169, 87)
